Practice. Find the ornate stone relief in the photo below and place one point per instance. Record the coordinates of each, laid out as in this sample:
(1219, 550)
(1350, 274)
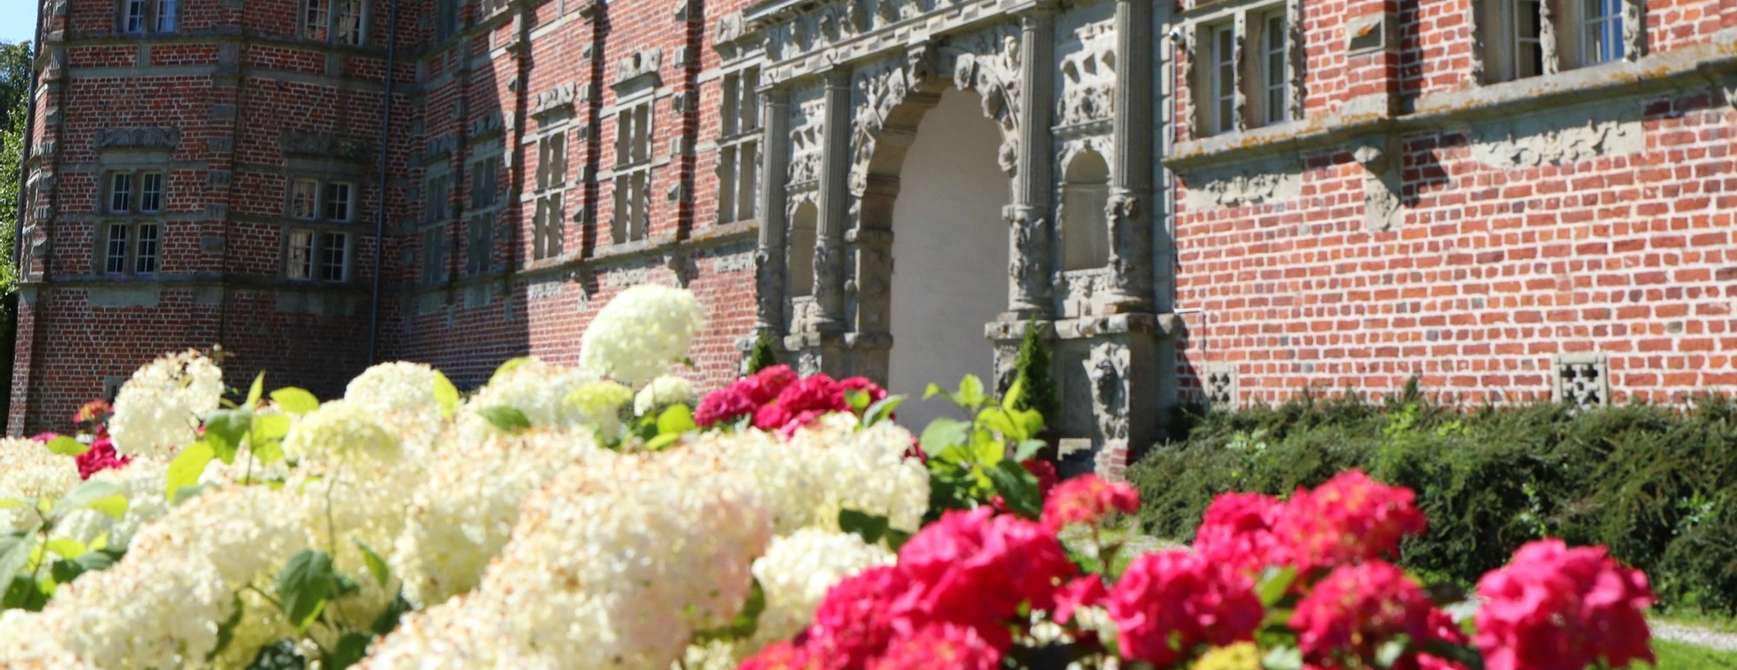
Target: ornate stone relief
(137, 139)
(439, 147)
(1581, 380)
(988, 63)
(1027, 269)
(1558, 138)
(485, 126)
(1088, 78)
(807, 139)
(324, 145)
(1219, 385)
(556, 100)
(641, 63)
(1107, 369)
(1238, 186)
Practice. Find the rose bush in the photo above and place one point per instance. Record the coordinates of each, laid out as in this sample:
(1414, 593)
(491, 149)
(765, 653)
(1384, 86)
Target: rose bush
(585, 517)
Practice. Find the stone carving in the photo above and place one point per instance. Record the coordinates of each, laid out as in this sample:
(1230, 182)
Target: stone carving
(1559, 138)
(1219, 385)
(880, 88)
(641, 63)
(324, 145)
(485, 126)
(557, 99)
(682, 266)
(137, 139)
(1107, 369)
(1582, 380)
(1027, 270)
(1127, 239)
(439, 147)
(804, 314)
(1088, 78)
(807, 140)
(1082, 290)
(988, 63)
(730, 28)
(1256, 184)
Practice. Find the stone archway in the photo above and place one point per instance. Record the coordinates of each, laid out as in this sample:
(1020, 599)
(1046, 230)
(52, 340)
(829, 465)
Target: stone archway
(950, 255)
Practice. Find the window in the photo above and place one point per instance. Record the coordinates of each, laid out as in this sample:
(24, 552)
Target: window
(339, 20)
(1221, 102)
(121, 192)
(300, 255)
(1275, 74)
(130, 248)
(338, 201)
(334, 250)
(1514, 44)
(485, 179)
(480, 245)
(439, 205)
(447, 23)
(548, 231)
(434, 255)
(632, 173)
(138, 17)
(303, 193)
(151, 192)
(1602, 40)
(739, 148)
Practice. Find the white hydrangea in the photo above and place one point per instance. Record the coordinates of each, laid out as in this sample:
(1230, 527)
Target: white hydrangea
(599, 405)
(401, 396)
(662, 392)
(796, 572)
(827, 467)
(24, 644)
(612, 565)
(142, 482)
(463, 633)
(341, 432)
(463, 510)
(641, 333)
(159, 409)
(535, 388)
(245, 531)
(28, 470)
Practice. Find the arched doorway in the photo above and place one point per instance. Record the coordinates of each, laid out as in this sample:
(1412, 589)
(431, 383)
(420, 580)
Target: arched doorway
(950, 255)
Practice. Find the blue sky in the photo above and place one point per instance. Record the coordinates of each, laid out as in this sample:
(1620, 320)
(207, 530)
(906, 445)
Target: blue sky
(17, 20)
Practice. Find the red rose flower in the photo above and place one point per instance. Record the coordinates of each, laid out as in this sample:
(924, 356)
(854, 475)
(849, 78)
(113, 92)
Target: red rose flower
(1087, 499)
(800, 403)
(1356, 608)
(1237, 530)
(744, 396)
(101, 456)
(1350, 518)
(976, 568)
(1556, 608)
(1167, 603)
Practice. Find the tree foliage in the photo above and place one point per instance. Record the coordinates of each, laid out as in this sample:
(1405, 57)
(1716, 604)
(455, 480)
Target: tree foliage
(14, 100)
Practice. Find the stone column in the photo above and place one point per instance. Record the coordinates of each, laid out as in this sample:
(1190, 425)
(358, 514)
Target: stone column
(1029, 218)
(829, 256)
(1130, 207)
(769, 254)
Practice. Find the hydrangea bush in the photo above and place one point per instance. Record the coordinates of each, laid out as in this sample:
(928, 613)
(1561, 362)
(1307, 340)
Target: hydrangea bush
(586, 517)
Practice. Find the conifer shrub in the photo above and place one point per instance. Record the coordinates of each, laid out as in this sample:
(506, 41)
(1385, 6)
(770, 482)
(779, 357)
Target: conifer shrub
(1657, 485)
(761, 355)
(1032, 370)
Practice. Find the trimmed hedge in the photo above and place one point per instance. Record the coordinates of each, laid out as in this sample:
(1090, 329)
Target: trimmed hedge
(1657, 485)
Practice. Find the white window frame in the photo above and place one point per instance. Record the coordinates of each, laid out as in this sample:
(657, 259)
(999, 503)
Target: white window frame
(549, 222)
(330, 193)
(739, 145)
(137, 250)
(151, 192)
(325, 264)
(635, 126)
(121, 192)
(299, 254)
(1221, 78)
(1601, 35)
(322, 21)
(1275, 80)
(147, 17)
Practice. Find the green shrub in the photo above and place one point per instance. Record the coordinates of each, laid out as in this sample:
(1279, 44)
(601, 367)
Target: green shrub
(1656, 485)
(761, 355)
(1032, 368)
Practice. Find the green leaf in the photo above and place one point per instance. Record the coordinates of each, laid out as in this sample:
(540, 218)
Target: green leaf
(224, 430)
(743, 625)
(1028, 450)
(67, 446)
(676, 420)
(1015, 393)
(858, 399)
(23, 593)
(101, 496)
(267, 428)
(662, 442)
(256, 390)
(446, 394)
(1018, 488)
(67, 547)
(64, 572)
(226, 630)
(376, 565)
(96, 560)
(943, 433)
(508, 366)
(1274, 583)
(882, 410)
(187, 467)
(350, 649)
(14, 553)
(294, 400)
(970, 394)
(506, 418)
(304, 585)
(931, 391)
(388, 620)
(872, 527)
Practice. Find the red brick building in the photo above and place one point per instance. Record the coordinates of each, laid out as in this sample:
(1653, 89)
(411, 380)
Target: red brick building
(1509, 199)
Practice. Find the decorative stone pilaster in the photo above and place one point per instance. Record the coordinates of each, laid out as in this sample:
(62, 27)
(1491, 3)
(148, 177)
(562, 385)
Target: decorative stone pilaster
(769, 257)
(1129, 211)
(829, 252)
(1028, 218)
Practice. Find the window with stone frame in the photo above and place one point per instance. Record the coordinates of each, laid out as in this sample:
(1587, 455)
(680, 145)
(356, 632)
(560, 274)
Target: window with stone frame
(139, 17)
(485, 182)
(479, 244)
(446, 20)
(739, 145)
(548, 226)
(1517, 36)
(437, 195)
(336, 21)
(434, 248)
(1263, 77)
(129, 241)
(317, 246)
(633, 138)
